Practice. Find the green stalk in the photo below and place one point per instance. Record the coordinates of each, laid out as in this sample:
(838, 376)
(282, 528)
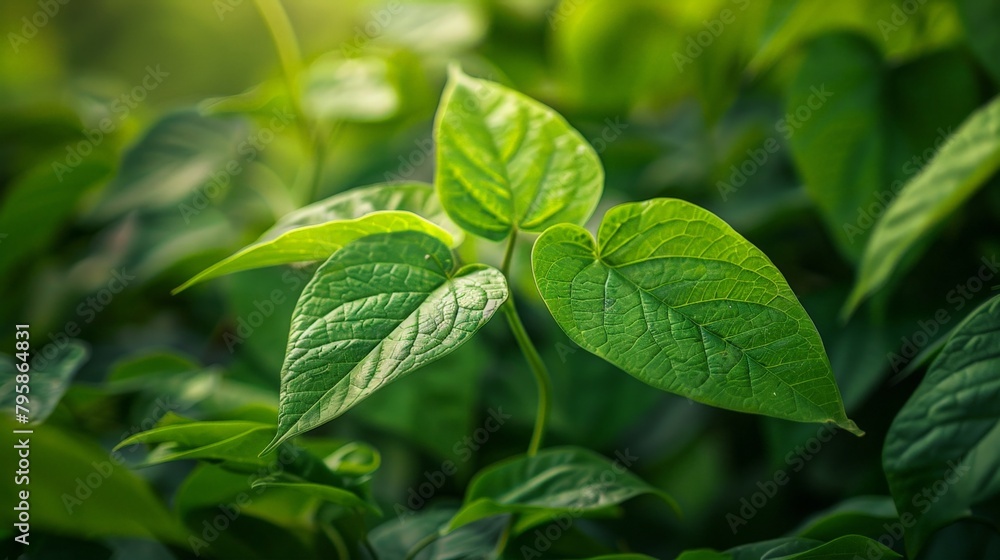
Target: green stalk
(538, 368)
(287, 46)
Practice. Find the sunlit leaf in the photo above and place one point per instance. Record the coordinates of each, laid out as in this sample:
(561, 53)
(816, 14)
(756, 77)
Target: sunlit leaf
(354, 89)
(506, 162)
(376, 310)
(675, 297)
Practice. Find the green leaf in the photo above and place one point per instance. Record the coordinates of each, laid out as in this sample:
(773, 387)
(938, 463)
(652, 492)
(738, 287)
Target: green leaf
(237, 443)
(675, 297)
(37, 206)
(317, 242)
(559, 480)
(952, 177)
(408, 196)
(48, 383)
(396, 538)
(355, 89)
(378, 309)
(506, 162)
(849, 547)
(76, 488)
(839, 149)
(942, 451)
(176, 156)
(325, 492)
(862, 515)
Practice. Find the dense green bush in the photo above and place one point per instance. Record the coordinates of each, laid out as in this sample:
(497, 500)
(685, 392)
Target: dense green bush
(779, 210)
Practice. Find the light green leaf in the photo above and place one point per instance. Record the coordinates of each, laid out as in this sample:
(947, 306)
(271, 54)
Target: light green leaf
(355, 89)
(506, 162)
(318, 242)
(378, 309)
(558, 480)
(942, 451)
(48, 383)
(176, 156)
(409, 196)
(675, 297)
(839, 148)
(849, 547)
(960, 167)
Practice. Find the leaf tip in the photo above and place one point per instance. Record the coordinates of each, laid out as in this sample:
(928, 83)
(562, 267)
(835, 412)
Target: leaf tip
(850, 426)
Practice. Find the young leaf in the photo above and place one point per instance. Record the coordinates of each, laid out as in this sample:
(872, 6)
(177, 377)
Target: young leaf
(557, 480)
(409, 196)
(234, 442)
(952, 177)
(325, 492)
(942, 451)
(506, 162)
(378, 309)
(317, 242)
(675, 297)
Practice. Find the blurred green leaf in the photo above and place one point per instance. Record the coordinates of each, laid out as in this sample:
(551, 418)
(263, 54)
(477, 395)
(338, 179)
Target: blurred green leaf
(179, 154)
(506, 162)
(980, 19)
(849, 547)
(942, 452)
(962, 165)
(38, 206)
(837, 131)
(324, 492)
(396, 538)
(401, 292)
(561, 480)
(867, 516)
(353, 89)
(675, 297)
(47, 384)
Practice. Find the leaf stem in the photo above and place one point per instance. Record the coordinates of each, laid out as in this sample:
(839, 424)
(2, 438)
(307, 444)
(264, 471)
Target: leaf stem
(537, 367)
(509, 253)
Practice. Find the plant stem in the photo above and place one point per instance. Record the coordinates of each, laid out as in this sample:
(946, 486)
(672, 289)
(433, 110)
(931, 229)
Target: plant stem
(537, 367)
(287, 46)
(509, 253)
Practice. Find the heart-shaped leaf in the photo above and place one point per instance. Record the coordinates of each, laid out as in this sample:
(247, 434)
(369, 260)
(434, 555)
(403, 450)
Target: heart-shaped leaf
(961, 166)
(317, 242)
(559, 480)
(378, 309)
(942, 452)
(674, 296)
(506, 162)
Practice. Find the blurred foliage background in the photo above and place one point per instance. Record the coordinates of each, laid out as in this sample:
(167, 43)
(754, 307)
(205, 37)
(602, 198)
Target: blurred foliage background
(143, 141)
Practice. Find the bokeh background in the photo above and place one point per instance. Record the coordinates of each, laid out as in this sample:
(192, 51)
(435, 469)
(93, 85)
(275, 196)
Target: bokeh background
(142, 141)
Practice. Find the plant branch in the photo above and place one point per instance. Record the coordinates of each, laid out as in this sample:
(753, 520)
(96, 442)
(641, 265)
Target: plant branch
(537, 367)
